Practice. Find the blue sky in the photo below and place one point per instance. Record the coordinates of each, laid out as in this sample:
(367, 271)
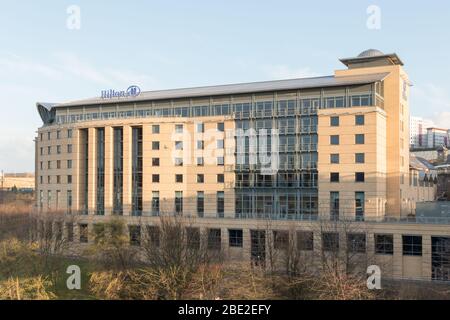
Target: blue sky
(167, 44)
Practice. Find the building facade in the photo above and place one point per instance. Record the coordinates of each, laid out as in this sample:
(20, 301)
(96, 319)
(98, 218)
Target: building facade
(292, 151)
(437, 137)
(418, 132)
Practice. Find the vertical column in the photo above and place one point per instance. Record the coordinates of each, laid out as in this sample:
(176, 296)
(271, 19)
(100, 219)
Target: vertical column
(127, 169)
(76, 169)
(398, 256)
(109, 181)
(92, 167)
(224, 241)
(246, 244)
(426, 257)
(146, 170)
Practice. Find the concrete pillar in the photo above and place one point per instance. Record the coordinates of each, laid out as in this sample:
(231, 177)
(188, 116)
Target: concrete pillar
(109, 177)
(92, 166)
(127, 169)
(147, 170)
(426, 257)
(398, 256)
(246, 244)
(76, 166)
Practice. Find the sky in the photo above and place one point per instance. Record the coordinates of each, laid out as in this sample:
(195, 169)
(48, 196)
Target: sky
(45, 57)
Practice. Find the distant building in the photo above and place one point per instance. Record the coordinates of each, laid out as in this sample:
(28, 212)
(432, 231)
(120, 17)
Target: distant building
(437, 137)
(418, 131)
(9, 181)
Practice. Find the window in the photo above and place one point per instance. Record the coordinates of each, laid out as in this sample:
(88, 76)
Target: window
(200, 203)
(58, 179)
(384, 244)
(200, 161)
(220, 178)
(155, 202)
(69, 164)
(69, 199)
(220, 204)
(178, 162)
(155, 128)
(334, 140)
(69, 179)
(49, 135)
(200, 127)
(153, 235)
(200, 178)
(83, 233)
(58, 134)
(155, 162)
(359, 138)
(135, 235)
(359, 120)
(58, 149)
(305, 240)
(69, 227)
(178, 128)
(69, 148)
(356, 243)
(178, 201)
(235, 237)
(49, 165)
(214, 239)
(178, 145)
(69, 133)
(155, 145)
(334, 121)
(280, 240)
(359, 205)
(42, 151)
(221, 127)
(58, 164)
(179, 178)
(330, 241)
(200, 145)
(41, 136)
(49, 179)
(220, 144)
(334, 205)
(155, 178)
(412, 245)
(220, 161)
(334, 176)
(334, 158)
(193, 238)
(49, 150)
(360, 158)
(359, 176)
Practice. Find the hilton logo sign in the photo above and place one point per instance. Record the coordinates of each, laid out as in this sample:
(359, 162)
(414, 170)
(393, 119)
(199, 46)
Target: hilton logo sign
(132, 91)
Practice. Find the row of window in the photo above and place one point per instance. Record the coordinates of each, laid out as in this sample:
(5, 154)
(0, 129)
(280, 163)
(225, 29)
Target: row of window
(335, 177)
(359, 120)
(359, 158)
(69, 134)
(262, 108)
(200, 161)
(359, 139)
(356, 242)
(178, 202)
(179, 178)
(58, 164)
(58, 179)
(58, 149)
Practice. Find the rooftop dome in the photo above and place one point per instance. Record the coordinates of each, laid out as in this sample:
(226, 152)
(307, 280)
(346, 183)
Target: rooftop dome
(370, 53)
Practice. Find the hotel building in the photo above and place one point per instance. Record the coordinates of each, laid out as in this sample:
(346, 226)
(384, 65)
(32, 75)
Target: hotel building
(339, 151)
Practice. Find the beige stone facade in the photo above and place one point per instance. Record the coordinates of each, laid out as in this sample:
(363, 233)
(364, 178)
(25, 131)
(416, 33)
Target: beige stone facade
(176, 152)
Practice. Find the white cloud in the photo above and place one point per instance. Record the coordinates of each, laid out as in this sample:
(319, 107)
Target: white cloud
(287, 72)
(13, 64)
